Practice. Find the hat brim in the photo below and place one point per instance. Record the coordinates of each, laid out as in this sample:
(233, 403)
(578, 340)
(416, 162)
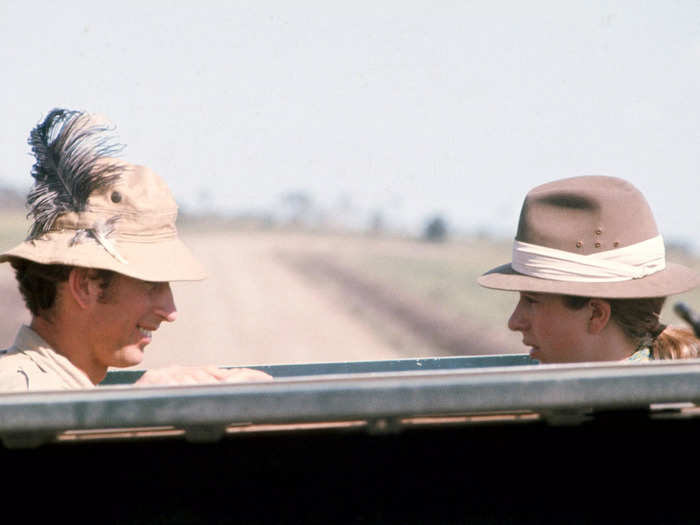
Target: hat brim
(674, 279)
(166, 260)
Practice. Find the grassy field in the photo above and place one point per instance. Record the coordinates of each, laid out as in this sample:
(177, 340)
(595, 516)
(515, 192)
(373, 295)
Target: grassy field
(445, 274)
(256, 294)
(13, 228)
(442, 273)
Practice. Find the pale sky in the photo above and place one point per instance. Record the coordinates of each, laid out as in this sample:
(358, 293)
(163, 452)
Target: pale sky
(411, 107)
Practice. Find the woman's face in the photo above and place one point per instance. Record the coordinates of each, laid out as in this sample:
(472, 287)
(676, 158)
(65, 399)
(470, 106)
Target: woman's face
(554, 332)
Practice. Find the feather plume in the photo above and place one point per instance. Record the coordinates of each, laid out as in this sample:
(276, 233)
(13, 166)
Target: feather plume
(68, 146)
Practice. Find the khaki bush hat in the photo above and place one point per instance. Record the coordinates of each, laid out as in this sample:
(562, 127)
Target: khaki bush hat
(105, 213)
(590, 236)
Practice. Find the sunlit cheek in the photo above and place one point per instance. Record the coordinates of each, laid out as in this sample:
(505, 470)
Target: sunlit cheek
(547, 335)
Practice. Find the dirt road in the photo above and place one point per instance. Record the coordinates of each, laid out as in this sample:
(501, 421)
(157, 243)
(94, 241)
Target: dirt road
(253, 308)
(287, 298)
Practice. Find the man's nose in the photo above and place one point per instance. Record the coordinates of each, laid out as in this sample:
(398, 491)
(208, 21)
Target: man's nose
(165, 303)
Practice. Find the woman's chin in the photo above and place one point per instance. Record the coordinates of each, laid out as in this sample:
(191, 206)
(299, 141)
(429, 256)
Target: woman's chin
(536, 354)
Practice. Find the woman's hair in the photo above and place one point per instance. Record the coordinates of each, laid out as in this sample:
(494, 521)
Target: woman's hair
(38, 283)
(640, 321)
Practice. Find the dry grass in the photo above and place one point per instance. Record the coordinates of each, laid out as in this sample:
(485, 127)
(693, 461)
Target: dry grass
(13, 228)
(256, 307)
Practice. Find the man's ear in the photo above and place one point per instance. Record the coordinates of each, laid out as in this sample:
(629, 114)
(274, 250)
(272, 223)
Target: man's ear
(600, 315)
(79, 286)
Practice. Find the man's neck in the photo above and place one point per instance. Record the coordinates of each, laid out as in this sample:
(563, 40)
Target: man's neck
(69, 345)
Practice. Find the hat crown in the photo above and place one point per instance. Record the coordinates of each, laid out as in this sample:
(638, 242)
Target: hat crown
(586, 215)
(570, 241)
(95, 211)
(137, 190)
(138, 201)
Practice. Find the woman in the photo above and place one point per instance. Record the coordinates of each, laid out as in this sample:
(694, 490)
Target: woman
(591, 270)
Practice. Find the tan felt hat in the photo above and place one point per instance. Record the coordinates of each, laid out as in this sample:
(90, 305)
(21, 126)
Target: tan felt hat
(94, 211)
(591, 236)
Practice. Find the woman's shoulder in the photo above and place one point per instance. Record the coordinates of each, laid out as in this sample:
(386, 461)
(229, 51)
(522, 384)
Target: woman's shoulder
(643, 354)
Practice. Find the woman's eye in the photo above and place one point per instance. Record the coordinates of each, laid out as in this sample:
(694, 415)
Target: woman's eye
(151, 286)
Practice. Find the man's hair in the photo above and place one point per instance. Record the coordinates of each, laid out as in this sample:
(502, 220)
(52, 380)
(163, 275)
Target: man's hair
(38, 284)
(640, 321)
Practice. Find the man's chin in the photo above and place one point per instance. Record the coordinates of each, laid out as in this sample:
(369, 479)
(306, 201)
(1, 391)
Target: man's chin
(130, 356)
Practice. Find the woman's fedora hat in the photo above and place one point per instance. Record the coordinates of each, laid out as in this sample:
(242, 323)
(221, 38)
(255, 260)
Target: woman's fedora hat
(591, 236)
(94, 211)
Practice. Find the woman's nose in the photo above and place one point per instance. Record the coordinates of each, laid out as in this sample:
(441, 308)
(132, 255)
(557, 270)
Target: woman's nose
(517, 321)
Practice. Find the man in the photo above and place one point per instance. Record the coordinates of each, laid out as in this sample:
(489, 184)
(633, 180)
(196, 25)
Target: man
(96, 266)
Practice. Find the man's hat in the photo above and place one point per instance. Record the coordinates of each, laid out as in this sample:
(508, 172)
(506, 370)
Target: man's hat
(590, 236)
(92, 210)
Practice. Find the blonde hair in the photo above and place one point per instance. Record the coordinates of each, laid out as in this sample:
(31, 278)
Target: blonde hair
(676, 343)
(640, 321)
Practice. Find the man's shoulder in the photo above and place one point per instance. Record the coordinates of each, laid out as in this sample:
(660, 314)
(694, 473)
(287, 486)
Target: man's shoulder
(22, 370)
(7, 353)
(11, 359)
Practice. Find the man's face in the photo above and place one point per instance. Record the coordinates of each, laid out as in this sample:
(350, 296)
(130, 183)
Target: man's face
(555, 333)
(123, 321)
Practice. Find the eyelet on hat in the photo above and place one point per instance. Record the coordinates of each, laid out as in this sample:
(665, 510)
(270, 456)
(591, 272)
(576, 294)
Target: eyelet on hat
(82, 205)
(565, 215)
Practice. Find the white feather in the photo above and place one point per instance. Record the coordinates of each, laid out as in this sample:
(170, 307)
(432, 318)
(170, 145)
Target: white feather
(100, 231)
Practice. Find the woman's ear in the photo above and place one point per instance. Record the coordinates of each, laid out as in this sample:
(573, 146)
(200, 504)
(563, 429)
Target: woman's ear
(600, 315)
(78, 286)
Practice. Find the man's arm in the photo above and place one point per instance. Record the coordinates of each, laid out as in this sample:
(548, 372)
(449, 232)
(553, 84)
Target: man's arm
(196, 375)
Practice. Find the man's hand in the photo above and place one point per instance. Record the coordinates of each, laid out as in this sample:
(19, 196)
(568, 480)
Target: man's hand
(198, 375)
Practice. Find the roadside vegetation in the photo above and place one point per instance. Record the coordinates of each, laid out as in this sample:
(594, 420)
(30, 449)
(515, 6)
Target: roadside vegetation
(13, 228)
(440, 275)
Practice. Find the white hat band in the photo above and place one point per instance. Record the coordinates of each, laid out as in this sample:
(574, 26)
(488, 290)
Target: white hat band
(621, 264)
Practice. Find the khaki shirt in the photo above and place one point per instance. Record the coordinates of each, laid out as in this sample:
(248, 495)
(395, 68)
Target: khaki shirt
(30, 364)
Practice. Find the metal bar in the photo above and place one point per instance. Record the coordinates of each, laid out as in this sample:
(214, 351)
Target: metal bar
(344, 397)
(119, 377)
